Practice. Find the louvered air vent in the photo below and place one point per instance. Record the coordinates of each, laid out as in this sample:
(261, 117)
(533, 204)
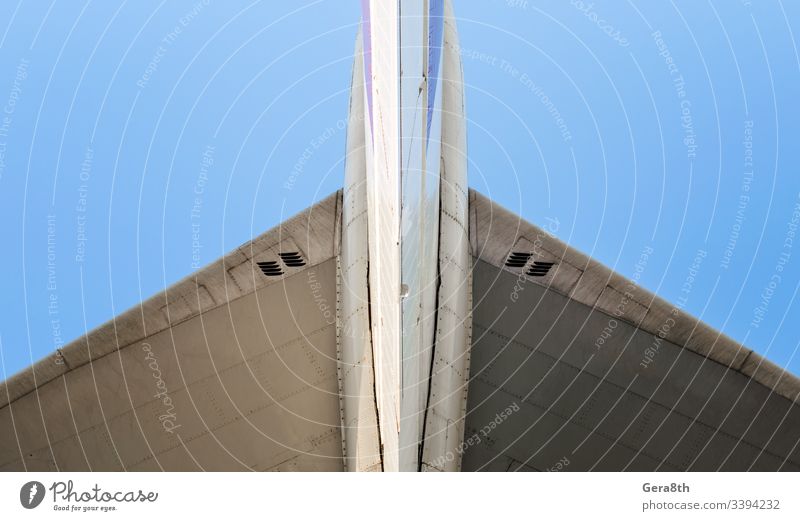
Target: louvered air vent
(520, 259)
(273, 268)
(517, 259)
(270, 268)
(539, 269)
(292, 259)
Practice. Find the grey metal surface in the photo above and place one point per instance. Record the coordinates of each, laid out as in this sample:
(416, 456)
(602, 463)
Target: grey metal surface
(359, 414)
(444, 418)
(249, 383)
(383, 208)
(419, 176)
(550, 389)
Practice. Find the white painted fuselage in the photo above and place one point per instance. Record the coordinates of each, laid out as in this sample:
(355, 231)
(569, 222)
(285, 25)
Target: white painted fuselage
(406, 187)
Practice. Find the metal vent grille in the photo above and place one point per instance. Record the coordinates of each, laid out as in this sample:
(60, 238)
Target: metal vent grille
(518, 259)
(270, 268)
(539, 269)
(522, 260)
(292, 259)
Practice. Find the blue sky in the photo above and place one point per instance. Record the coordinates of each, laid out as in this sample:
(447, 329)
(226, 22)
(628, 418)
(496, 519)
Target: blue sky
(635, 125)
